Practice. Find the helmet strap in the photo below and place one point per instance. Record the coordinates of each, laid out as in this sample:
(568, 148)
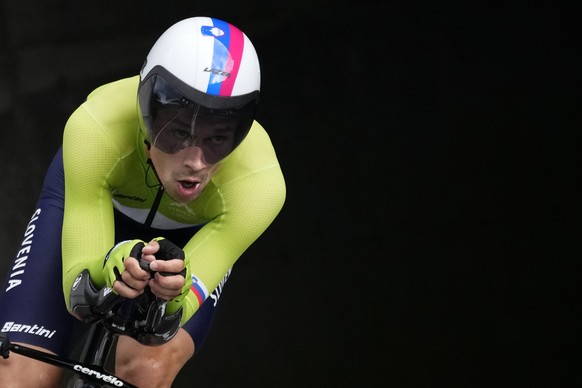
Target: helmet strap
(151, 167)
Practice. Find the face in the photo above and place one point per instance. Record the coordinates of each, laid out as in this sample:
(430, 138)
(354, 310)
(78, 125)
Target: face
(177, 126)
(185, 173)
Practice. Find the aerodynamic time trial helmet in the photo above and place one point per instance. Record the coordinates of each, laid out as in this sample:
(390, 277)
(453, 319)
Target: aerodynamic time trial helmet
(201, 71)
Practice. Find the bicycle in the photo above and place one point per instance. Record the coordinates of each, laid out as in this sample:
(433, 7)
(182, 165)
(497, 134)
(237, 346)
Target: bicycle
(114, 318)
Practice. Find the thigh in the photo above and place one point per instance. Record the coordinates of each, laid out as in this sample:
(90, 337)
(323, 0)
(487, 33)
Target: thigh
(21, 371)
(32, 306)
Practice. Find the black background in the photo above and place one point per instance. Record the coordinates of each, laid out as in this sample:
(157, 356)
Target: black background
(428, 238)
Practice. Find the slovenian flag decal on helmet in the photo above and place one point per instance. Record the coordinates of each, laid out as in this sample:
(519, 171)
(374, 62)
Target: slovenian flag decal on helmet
(226, 57)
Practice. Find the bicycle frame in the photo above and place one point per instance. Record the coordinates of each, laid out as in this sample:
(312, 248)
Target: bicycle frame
(101, 342)
(91, 372)
(101, 339)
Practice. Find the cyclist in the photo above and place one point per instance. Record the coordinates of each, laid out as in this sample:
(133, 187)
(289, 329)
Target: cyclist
(168, 158)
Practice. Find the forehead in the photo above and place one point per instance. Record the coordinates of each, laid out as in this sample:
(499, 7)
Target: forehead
(204, 127)
(180, 115)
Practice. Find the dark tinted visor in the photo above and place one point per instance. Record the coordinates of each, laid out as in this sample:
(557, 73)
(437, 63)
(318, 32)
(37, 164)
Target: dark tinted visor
(174, 122)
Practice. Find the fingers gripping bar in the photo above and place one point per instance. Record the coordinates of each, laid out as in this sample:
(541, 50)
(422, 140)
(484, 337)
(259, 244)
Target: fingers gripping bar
(148, 322)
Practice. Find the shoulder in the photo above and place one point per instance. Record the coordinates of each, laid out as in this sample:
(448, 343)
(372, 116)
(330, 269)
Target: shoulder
(129, 84)
(251, 183)
(251, 176)
(254, 154)
(109, 104)
(114, 98)
(108, 117)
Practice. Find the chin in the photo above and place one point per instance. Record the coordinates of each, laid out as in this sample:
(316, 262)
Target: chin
(184, 200)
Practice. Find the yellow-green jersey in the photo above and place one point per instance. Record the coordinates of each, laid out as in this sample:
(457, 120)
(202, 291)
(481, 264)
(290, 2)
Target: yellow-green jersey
(106, 169)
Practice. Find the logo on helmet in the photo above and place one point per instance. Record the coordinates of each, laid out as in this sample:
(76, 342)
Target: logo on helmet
(211, 31)
(223, 73)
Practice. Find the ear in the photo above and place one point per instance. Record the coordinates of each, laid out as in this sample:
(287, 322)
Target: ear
(148, 148)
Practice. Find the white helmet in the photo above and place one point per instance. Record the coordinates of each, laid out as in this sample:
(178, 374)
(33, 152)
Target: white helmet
(201, 69)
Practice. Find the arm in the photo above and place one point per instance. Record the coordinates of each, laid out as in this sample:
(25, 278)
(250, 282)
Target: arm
(248, 204)
(92, 152)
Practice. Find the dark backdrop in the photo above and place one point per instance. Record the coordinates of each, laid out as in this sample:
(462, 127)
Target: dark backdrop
(426, 238)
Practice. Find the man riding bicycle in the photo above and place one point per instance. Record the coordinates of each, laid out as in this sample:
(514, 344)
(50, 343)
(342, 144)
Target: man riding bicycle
(170, 160)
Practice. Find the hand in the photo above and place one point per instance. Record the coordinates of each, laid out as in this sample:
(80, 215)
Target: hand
(135, 279)
(115, 264)
(171, 280)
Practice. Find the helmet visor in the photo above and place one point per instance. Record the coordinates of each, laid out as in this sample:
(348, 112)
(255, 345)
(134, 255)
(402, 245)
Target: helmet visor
(173, 122)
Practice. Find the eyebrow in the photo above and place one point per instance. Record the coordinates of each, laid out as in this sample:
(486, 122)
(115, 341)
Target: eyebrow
(220, 127)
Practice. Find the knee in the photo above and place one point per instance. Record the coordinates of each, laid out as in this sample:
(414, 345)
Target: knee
(19, 371)
(145, 371)
(155, 366)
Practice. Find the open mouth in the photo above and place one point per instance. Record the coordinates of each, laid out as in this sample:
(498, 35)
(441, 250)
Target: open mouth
(189, 185)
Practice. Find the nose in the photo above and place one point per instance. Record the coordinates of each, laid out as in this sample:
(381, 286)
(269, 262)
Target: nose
(194, 158)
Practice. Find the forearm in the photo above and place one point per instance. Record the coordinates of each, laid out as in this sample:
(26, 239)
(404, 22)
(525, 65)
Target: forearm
(88, 225)
(71, 272)
(189, 307)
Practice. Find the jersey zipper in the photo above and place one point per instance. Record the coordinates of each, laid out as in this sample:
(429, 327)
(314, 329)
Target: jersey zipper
(154, 209)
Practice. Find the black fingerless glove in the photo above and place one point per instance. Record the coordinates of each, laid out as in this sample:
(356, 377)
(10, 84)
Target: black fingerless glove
(113, 264)
(168, 251)
(162, 320)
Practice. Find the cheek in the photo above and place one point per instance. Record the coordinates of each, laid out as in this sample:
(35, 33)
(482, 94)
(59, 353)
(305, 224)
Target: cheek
(161, 163)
